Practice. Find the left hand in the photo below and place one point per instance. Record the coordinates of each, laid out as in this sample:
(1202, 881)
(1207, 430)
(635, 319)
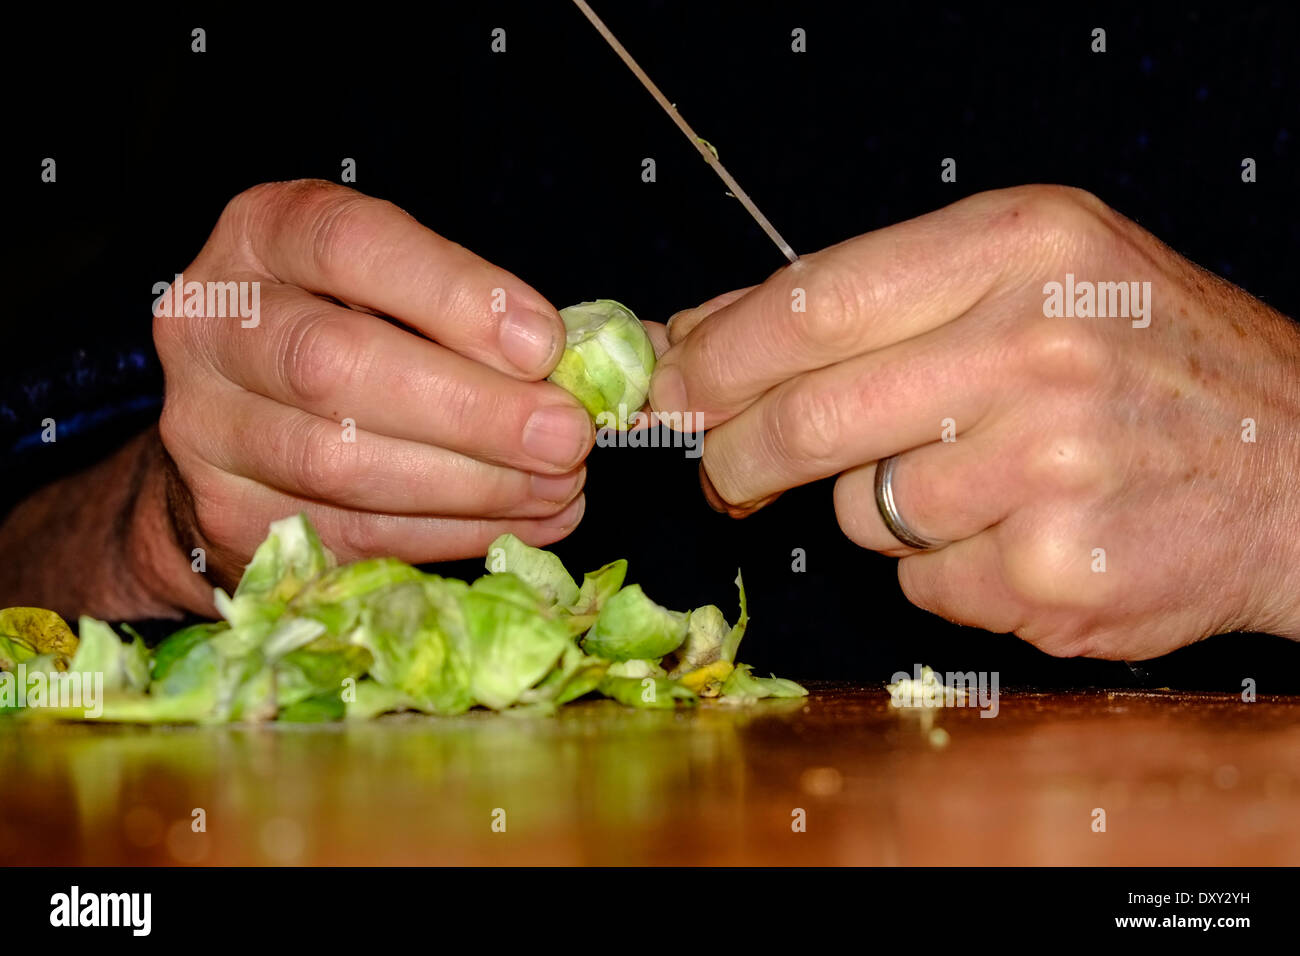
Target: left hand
(1081, 444)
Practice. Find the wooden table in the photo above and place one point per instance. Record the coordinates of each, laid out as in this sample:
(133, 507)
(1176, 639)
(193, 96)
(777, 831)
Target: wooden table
(1183, 779)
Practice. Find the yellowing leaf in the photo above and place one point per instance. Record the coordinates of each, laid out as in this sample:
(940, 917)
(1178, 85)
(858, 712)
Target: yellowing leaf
(42, 629)
(707, 680)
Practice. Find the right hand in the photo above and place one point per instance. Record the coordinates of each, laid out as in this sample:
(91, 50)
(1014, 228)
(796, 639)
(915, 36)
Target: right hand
(457, 439)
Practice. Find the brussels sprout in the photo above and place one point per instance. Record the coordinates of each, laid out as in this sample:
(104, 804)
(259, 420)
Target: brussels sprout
(607, 360)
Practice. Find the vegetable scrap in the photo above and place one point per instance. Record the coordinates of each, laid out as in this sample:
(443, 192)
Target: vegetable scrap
(304, 639)
(929, 691)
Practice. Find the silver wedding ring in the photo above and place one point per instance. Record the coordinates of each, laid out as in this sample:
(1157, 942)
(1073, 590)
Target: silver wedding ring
(889, 509)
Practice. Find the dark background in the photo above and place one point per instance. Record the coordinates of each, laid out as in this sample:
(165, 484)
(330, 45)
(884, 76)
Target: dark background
(532, 158)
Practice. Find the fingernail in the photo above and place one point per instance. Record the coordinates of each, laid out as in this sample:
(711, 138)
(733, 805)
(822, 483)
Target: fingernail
(558, 434)
(528, 340)
(570, 516)
(556, 487)
(667, 390)
(722, 506)
(711, 496)
(680, 324)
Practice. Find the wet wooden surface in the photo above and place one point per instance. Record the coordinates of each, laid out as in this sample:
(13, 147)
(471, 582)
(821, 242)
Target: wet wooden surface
(1183, 779)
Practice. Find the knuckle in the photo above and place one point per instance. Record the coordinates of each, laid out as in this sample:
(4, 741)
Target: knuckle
(1065, 463)
(275, 199)
(467, 410)
(1031, 568)
(1043, 209)
(321, 210)
(854, 511)
(320, 357)
(1063, 352)
(1037, 227)
(715, 374)
(920, 587)
(172, 426)
(343, 235)
(1050, 569)
(1059, 635)
(361, 535)
(923, 494)
(808, 424)
(333, 218)
(834, 303)
(319, 459)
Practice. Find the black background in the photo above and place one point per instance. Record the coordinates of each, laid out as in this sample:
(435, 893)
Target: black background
(532, 159)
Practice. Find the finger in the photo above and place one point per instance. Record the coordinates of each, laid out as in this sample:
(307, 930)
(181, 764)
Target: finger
(870, 407)
(722, 506)
(337, 363)
(352, 534)
(335, 241)
(658, 333)
(310, 457)
(681, 323)
(944, 491)
(963, 583)
(861, 295)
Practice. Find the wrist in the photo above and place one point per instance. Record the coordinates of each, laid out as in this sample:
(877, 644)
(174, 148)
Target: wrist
(1279, 447)
(165, 561)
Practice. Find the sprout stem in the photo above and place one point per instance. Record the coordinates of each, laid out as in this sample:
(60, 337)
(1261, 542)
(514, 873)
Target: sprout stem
(706, 151)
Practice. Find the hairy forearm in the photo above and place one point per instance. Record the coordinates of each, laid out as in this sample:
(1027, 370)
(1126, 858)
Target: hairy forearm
(101, 542)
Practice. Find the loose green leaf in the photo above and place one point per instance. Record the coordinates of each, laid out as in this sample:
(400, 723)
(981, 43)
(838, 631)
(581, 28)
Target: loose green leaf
(637, 669)
(307, 674)
(599, 586)
(655, 693)
(371, 699)
(100, 651)
(291, 555)
(576, 675)
(540, 570)
(337, 597)
(419, 644)
(512, 645)
(732, 641)
(706, 633)
(306, 640)
(323, 708)
(742, 686)
(176, 648)
(630, 625)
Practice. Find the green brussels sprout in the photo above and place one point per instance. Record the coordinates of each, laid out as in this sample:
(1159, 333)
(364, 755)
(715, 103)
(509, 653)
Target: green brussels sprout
(607, 360)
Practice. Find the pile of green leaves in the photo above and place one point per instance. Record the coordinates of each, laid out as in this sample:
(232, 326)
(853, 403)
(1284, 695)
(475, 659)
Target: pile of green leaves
(304, 639)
